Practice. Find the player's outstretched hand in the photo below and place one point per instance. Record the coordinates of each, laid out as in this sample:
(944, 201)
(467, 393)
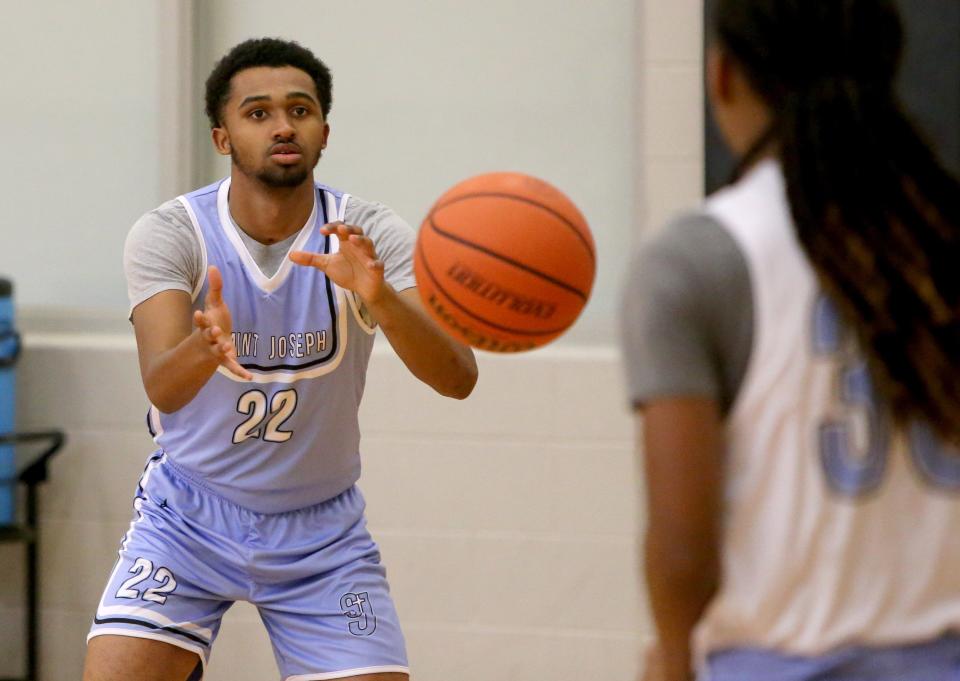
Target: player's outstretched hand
(215, 324)
(655, 669)
(354, 267)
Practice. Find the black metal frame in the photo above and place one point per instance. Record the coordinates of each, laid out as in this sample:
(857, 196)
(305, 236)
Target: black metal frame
(31, 475)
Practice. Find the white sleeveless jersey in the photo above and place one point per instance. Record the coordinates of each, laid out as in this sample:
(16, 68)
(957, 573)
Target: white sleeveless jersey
(288, 438)
(837, 529)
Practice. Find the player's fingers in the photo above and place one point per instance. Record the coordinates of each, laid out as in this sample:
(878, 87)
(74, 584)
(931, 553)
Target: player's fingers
(222, 348)
(233, 366)
(355, 256)
(359, 249)
(214, 286)
(318, 260)
(214, 278)
(228, 358)
(212, 334)
(363, 242)
(202, 320)
(341, 229)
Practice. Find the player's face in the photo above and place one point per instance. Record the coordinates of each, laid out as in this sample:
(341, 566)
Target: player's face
(273, 126)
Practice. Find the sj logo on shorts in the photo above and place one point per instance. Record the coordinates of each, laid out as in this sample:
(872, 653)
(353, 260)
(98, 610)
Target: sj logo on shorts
(359, 610)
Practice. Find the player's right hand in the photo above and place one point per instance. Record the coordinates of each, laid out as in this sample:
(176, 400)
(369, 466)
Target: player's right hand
(215, 325)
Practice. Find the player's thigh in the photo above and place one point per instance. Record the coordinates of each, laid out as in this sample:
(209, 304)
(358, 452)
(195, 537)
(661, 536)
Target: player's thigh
(122, 658)
(390, 676)
(324, 598)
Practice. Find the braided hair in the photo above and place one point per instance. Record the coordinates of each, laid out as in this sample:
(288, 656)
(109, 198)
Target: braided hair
(876, 213)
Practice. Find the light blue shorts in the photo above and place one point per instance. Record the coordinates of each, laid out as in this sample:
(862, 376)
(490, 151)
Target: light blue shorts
(314, 575)
(937, 660)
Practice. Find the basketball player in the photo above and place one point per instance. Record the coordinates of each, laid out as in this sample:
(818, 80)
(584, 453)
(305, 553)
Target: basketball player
(793, 350)
(255, 301)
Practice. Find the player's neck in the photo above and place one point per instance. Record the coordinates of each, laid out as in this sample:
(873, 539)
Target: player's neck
(269, 214)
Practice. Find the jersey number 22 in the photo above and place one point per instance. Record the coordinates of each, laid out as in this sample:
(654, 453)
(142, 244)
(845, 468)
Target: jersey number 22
(261, 423)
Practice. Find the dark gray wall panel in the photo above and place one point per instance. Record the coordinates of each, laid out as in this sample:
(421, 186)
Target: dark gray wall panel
(929, 84)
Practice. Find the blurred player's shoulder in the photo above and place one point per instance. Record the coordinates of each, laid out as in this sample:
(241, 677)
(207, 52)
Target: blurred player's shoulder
(681, 231)
(694, 245)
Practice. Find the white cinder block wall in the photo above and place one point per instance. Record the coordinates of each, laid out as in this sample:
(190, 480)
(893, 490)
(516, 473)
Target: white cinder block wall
(508, 522)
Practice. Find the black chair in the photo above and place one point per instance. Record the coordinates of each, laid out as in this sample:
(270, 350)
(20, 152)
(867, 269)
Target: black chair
(31, 471)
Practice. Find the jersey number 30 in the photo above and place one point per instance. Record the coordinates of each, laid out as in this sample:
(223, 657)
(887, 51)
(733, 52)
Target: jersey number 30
(854, 470)
(259, 422)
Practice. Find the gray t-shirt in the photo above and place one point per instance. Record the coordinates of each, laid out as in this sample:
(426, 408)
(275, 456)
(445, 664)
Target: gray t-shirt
(162, 251)
(687, 314)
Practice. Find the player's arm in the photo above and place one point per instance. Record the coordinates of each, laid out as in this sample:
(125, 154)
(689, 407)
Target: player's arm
(178, 350)
(682, 446)
(687, 326)
(430, 354)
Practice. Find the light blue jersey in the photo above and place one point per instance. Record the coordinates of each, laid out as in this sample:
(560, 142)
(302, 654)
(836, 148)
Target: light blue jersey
(251, 496)
(289, 438)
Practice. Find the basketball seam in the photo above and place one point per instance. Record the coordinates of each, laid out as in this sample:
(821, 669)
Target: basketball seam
(436, 282)
(511, 261)
(522, 199)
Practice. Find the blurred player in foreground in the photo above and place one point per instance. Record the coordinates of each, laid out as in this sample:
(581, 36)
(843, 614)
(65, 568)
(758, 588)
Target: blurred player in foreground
(794, 352)
(255, 368)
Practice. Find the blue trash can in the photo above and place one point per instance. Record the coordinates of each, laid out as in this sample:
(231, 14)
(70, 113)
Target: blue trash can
(9, 351)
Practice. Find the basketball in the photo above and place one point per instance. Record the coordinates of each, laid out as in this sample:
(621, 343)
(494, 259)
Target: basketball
(504, 262)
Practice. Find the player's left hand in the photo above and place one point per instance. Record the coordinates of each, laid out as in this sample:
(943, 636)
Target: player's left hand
(354, 267)
(652, 665)
(655, 667)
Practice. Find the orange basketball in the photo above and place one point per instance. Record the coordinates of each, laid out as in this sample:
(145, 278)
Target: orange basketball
(504, 262)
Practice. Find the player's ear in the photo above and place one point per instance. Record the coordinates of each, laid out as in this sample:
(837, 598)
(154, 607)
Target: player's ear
(719, 73)
(221, 140)
(326, 134)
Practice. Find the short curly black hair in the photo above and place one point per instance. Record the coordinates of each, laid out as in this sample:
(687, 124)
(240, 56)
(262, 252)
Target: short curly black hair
(265, 52)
